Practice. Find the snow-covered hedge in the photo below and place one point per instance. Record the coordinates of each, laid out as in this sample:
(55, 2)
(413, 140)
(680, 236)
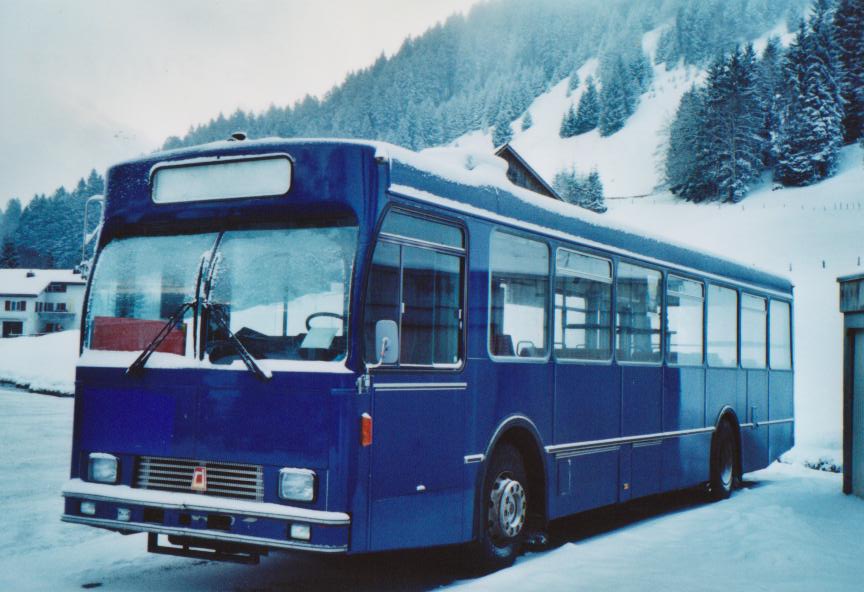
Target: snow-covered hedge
(45, 363)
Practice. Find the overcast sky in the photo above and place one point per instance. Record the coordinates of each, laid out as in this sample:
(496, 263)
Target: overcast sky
(88, 82)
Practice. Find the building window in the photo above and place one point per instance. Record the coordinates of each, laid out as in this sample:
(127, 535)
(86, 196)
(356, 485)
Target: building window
(16, 305)
(780, 352)
(684, 315)
(60, 307)
(519, 300)
(56, 288)
(638, 309)
(754, 319)
(583, 306)
(722, 326)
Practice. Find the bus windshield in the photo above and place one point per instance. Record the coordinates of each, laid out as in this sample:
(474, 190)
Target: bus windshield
(138, 284)
(282, 292)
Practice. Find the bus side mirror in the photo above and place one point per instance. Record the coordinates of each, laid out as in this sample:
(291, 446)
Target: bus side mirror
(387, 341)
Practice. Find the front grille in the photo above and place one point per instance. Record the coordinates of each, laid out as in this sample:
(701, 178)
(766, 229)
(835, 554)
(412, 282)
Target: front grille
(223, 479)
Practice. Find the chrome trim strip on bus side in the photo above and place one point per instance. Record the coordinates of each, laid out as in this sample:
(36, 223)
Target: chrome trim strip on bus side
(776, 421)
(586, 451)
(415, 194)
(123, 494)
(748, 425)
(474, 458)
(201, 534)
(558, 449)
(421, 386)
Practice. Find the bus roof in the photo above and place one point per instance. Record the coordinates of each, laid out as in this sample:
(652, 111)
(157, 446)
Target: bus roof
(475, 184)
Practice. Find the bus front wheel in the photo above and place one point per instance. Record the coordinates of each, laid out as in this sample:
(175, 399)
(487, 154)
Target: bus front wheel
(724, 461)
(503, 511)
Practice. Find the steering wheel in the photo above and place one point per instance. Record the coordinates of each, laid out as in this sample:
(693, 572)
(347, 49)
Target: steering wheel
(315, 315)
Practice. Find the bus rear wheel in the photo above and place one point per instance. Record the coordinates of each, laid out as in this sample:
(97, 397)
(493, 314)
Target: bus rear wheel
(503, 511)
(724, 462)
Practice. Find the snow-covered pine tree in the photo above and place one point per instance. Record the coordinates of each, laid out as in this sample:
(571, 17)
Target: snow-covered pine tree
(12, 216)
(568, 186)
(641, 73)
(527, 121)
(588, 113)
(574, 81)
(812, 130)
(667, 50)
(502, 132)
(733, 123)
(687, 166)
(568, 124)
(615, 99)
(8, 254)
(769, 91)
(849, 33)
(593, 190)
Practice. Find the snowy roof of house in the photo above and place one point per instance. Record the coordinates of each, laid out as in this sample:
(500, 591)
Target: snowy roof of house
(32, 282)
(507, 149)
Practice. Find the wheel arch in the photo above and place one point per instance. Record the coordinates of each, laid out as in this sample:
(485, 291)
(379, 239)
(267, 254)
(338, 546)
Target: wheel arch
(520, 432)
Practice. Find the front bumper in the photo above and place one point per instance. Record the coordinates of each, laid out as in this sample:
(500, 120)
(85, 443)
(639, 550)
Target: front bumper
(202, 517)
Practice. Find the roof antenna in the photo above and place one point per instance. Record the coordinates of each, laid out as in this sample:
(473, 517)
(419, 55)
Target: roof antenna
(237, 137)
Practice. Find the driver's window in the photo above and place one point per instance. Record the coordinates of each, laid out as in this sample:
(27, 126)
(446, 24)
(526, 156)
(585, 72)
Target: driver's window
(419, 286)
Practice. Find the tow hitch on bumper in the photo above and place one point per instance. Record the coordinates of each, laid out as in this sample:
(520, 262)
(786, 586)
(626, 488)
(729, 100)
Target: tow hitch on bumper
(202, 526)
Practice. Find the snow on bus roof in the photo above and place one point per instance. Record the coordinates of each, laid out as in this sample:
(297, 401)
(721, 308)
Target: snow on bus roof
(475, 169)
(32, 282)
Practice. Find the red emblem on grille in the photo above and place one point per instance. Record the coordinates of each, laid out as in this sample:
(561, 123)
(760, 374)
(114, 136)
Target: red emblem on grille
(199, 479)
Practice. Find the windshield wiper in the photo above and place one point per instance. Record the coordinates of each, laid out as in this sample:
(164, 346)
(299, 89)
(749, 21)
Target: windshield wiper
(154, 344)
(219, 316)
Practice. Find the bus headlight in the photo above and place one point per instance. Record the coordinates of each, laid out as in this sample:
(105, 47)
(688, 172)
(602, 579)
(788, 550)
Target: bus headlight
(297, 485)
(103, 467)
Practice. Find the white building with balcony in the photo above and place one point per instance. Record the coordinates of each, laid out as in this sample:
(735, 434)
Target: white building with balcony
(37, 301)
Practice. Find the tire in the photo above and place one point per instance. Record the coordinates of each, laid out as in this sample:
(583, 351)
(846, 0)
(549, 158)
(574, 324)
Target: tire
(502, 512)
(724, 462)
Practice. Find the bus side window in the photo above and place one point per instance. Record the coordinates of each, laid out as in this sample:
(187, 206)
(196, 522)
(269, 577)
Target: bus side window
(416, 280)
(722, 327)
(754, 319)
(583, 306)
(382, 294)
(430, 321)
(638, 308)
(685, 301)
(519, 297)
(780, 352)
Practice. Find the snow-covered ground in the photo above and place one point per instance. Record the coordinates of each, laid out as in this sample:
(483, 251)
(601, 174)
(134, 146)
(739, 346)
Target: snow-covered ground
(790, 529)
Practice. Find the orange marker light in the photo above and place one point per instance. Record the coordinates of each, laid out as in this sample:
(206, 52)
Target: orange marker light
(366, 430)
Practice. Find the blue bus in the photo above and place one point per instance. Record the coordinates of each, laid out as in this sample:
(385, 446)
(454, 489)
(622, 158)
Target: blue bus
(346, 347)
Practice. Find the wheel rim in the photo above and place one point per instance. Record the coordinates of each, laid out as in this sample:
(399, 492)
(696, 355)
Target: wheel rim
(726, 465)
(507, 508)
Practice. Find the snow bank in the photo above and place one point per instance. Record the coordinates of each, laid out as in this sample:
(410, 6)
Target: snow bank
(45, 363)
(829, 460)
